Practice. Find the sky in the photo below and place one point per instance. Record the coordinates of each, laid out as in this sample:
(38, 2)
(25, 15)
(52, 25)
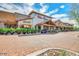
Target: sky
(57, 10)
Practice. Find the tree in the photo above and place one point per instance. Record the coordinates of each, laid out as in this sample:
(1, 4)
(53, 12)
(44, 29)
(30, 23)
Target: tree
(74, 12)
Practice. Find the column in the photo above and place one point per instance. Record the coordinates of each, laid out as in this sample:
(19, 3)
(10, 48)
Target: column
(42, 27)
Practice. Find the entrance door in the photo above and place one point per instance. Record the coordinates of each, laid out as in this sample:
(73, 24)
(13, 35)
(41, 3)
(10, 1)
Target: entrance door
(39, 27)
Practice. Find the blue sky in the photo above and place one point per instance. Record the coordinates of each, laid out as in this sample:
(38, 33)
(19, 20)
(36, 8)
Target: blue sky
(57, 10)
(49, 9)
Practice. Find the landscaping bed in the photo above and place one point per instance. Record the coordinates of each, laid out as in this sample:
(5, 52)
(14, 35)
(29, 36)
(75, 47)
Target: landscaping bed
(54, 52)
(58, 52)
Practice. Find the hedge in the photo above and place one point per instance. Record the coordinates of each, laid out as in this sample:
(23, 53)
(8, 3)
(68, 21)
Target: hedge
(18, 30)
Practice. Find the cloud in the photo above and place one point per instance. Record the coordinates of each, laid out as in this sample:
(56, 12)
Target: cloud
(51, 12)
(27, 7)
(55, 10)
(30, 4)
(67, 20)
(59, 16)
(62, 6)
(6, 6)
(44, 8)
(23, 8)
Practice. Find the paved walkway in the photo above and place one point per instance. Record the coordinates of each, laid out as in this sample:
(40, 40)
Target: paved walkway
(23, 45)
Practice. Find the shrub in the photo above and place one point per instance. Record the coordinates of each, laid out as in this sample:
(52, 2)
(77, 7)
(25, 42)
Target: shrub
(1, 30)
(7, 30)
(17, 30)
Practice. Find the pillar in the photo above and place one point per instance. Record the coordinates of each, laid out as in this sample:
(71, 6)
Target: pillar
(42, 27)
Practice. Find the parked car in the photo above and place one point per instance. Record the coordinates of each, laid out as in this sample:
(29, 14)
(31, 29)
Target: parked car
(44, 31)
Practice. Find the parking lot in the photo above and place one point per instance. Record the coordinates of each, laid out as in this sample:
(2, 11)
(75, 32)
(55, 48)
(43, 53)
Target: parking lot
(22, 45)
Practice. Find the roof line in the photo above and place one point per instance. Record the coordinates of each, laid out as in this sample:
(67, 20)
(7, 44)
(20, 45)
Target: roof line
(38, 13)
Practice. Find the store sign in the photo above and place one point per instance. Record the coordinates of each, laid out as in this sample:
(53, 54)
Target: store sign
(27, 21)
(43, 17)
(39, 16)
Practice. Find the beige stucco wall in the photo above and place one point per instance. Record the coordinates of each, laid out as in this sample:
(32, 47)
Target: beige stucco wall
(2, 25)
(25, 22)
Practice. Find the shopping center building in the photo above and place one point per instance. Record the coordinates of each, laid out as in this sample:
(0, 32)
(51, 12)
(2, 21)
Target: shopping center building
(32, 20)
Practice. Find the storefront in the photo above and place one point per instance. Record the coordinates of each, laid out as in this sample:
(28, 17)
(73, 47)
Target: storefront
(61, 26)
(25, 23)
(49, 25)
